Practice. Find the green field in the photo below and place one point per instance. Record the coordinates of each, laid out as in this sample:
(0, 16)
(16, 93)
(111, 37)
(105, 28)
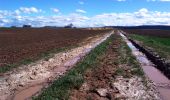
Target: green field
(158, 44)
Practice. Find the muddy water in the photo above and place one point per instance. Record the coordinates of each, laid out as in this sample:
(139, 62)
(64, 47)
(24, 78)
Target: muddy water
(27, 93)
(162, 82)
(57, 71)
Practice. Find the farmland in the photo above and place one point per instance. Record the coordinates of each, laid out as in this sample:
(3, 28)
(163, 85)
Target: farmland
(85, 50)
(84, 63)
(24, 45)
(102, 70)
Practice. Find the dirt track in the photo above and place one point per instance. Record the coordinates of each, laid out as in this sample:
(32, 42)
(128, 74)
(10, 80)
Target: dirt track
(104, 82)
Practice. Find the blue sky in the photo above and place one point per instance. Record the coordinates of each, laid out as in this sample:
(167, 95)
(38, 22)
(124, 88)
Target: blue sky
(84, 13)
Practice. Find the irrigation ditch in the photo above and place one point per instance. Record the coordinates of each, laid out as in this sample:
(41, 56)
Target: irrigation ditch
(154, 66)
(157, 60)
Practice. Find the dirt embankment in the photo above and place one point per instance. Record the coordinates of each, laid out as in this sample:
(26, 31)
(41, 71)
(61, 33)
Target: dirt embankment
(115, 77)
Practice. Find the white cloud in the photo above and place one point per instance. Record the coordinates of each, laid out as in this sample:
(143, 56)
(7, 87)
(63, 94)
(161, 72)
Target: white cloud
(81, 2)
(55, 10)
(28, 10)
(121, 0)
(165, 0)
(80, 11)
(4, 13)
(159, 0)
(141, 17)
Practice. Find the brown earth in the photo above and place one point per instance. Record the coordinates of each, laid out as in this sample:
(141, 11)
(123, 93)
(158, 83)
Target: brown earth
(150, 32)
(27, 43)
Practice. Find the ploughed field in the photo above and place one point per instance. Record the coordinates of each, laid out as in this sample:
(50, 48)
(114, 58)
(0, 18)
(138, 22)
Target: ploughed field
(27, 44)
(150, 32)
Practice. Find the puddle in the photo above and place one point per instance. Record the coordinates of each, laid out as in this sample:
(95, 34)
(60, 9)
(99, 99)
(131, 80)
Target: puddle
(154, 74)
(27, 93)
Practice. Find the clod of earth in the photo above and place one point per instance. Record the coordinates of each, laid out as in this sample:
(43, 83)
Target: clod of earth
(102, 92)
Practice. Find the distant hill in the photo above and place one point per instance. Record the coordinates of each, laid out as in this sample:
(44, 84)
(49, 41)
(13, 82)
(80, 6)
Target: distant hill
(162, 27)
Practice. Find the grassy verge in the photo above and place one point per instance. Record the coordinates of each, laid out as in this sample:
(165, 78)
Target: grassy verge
(61, 87)
(127, 59)
(46, 55)
(158, 44)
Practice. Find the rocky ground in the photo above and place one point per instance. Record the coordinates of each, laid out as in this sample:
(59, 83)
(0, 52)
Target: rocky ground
(117, 76)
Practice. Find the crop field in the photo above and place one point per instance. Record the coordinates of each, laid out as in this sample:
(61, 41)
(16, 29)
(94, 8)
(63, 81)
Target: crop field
(150, 32)
(23, 45)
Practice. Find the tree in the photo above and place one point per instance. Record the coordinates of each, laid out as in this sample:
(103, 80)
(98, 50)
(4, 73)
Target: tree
(26, 26)
(69, 26)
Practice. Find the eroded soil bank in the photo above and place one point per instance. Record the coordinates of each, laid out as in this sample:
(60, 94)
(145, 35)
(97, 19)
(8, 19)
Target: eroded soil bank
(25, 81)
(161, 82)
(116, 76)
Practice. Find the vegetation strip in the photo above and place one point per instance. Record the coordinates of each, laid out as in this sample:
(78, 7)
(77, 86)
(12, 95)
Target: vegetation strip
(161, 65)
(74, 78)
(127, 58)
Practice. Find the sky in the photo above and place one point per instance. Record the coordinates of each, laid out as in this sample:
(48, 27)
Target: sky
(84, 13)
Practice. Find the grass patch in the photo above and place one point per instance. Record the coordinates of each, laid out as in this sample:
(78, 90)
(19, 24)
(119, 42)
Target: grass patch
(61, 87)
(158, 44)
(126, 58)
(120, 72)
(44, 55)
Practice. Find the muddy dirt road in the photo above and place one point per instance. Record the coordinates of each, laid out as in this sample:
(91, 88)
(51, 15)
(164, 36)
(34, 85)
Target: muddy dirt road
(117, 76)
